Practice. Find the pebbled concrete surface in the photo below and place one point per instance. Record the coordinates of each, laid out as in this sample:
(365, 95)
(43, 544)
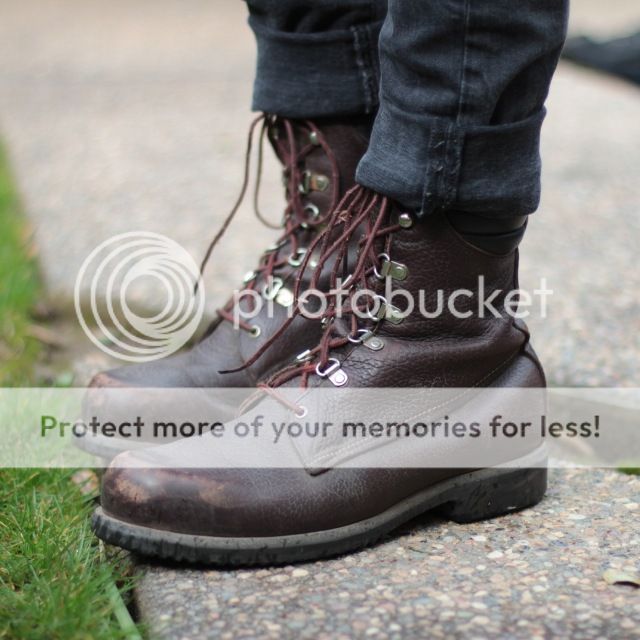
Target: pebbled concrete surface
(583, 239)
(536, 574)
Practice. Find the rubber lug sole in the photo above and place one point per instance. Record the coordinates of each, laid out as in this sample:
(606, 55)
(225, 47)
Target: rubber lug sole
(473, 496)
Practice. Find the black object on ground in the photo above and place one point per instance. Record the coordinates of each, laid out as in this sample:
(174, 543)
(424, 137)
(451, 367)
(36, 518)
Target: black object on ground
(619, 57)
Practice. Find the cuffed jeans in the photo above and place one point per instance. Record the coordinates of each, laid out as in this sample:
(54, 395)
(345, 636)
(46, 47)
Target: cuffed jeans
(458, 88)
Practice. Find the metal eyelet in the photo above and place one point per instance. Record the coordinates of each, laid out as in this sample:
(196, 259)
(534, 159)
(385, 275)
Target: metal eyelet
(249, 276)
(405, 220)
(255, 331)
(285, 297)
(335, 365)
(301, 412)
(269, 293)
(386, 311)
(396, 270)
(358, 340)
(334, 373)
(313, 214)
(391, 269)
(305, 356)
(313, 210)
(376, 273)
(297, 258)
(320, 182)
(368, 339)
(313, 182)
(379, 313)
(310, 181)
(373, 342)
(314, 139)
(305, 182)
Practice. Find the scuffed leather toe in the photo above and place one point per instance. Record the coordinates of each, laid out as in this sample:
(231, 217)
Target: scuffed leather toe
(194, 501)
(166, 373)
(106, 380)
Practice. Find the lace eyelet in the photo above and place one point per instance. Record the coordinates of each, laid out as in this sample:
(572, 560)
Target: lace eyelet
(405, 221)
(255, 331)
(357, 339)
(376, 273)
(305, 356)
(376, 313)
(296, 259)
(313, 210)
(249, 276)
(301, 412)
(270, 292)
(335, 364)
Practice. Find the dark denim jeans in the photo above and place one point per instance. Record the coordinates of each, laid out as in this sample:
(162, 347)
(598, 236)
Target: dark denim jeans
(459, 87)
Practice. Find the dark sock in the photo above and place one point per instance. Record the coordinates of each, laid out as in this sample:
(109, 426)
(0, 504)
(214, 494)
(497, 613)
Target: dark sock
(364, 123)
(496, 235)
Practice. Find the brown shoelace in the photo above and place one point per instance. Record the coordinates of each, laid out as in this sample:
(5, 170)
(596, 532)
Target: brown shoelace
(296, 217)
(361, 211)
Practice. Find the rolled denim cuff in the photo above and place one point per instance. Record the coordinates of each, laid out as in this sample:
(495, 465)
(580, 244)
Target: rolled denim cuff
(434, 164)
(312, 75)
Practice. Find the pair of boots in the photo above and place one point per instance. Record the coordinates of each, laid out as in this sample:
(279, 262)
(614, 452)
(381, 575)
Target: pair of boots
(340, 239)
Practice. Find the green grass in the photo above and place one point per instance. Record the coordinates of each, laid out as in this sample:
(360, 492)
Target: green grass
(55, 582)
(630, 470)
(19, 286)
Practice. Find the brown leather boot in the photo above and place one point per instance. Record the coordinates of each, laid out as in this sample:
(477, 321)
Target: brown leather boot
(319, 161)
(310, 510)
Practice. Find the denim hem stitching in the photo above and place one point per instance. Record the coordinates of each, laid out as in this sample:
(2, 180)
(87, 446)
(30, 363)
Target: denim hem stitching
(362, 49)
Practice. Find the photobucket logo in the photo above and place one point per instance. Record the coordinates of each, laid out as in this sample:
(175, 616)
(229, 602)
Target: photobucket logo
(394, 304)
(117, 271)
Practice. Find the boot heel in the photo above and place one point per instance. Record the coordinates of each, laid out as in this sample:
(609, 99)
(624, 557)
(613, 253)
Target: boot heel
(495, 492)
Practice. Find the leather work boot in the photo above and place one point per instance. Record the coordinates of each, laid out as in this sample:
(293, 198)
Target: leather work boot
(319, 161)
(305, 501)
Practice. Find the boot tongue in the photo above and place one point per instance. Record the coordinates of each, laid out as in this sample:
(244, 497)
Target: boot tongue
(347, 136)
(326, 153)
(280, 141)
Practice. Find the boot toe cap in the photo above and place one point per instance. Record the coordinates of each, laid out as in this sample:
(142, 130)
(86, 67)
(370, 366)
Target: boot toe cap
(192, 501)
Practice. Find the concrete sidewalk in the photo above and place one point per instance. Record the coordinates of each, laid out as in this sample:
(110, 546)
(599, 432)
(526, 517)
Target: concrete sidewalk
(537, 574)
(133, 115)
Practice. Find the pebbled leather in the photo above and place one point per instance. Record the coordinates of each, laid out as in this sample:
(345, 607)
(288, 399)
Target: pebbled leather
(224, 347)
(445, 351)
(419, 352)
